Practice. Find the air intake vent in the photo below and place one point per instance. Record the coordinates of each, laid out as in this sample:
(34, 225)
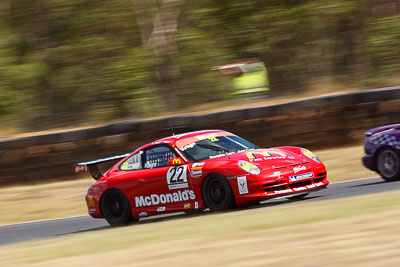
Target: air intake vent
(275, 188)
(300, 184)
(269, 184)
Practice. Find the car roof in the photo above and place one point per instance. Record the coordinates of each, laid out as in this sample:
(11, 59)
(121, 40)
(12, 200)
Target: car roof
(177, 137)
(172, 139)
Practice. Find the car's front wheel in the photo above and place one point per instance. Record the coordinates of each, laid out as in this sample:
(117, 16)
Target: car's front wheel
(116, 208)
(388, 164)
(217, 193)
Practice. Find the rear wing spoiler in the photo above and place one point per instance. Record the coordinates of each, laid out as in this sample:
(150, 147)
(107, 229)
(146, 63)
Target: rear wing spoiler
(92, 165)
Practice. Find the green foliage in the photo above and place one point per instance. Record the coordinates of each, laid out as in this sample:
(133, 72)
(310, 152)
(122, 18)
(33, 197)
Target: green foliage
(64, 62)
(132, 78)
(19, 79)
(382, 45)
(198, 54)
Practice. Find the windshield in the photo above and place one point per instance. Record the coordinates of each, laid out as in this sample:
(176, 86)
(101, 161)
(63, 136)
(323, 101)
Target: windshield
(212, 145)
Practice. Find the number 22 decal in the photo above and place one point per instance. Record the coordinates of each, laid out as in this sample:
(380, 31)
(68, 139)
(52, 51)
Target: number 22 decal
(177, 177)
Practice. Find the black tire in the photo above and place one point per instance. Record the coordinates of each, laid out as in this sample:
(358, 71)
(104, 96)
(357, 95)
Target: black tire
(388, 164)
(298, 197)
(116, 208)
(217, 193)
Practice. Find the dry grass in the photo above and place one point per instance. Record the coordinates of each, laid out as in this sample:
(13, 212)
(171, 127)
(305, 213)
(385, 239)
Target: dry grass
(54, 200)
(46, 201)
(360, 231)
(344, 163)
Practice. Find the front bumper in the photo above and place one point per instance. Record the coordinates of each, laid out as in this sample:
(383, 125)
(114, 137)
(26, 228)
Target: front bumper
(368, 162)
(273, 190)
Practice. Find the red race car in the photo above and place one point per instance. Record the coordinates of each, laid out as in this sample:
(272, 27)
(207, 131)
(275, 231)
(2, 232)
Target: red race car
(193, 171)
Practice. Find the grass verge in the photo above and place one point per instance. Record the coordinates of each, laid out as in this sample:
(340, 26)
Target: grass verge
(60, 199)
(359, 231)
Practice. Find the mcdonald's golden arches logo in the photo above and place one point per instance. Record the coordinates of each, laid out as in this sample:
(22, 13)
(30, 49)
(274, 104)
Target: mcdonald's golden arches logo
(258, 154)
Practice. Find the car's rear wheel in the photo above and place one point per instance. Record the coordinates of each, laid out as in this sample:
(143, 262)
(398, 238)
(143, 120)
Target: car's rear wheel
(298, 197)
(388, 164)
(116, 208)
(217, 193)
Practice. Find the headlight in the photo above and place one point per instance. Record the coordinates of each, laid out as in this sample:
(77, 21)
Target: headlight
(309, 154)
(90, 189)
(248, 167)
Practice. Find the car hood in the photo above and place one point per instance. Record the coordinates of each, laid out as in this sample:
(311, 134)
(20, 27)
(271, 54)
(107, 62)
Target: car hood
(381, 129)
(266, 158)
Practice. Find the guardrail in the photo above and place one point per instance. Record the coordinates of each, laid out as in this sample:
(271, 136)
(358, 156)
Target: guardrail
(325, 121)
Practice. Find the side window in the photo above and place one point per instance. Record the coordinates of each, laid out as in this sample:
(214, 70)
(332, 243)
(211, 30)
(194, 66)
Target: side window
(133, 163)
(158, 156)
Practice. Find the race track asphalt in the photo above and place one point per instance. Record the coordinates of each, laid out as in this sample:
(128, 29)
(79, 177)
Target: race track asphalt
(73, 225)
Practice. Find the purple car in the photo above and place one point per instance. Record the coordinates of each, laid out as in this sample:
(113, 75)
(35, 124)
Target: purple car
(382, 147)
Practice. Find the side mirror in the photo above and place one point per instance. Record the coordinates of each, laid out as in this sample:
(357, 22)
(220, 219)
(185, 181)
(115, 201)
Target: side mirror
(175, 162)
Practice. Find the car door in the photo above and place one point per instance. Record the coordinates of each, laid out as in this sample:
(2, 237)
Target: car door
(161, 187)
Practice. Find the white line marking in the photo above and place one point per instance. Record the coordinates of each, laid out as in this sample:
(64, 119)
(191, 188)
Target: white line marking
(54, 219)
(348, 181)
(44, 220)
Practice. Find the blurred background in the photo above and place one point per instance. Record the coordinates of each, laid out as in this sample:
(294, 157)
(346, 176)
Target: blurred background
(67, 64)
(79, 62)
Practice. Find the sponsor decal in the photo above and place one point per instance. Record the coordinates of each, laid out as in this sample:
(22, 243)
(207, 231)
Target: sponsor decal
(80, 168)
(197, 169)
(242, 184)
(253, 155)
(150, 165)
(134, 165)
(143, 214)
(125, 166)
(211, 136)
(300, 188)
(213, 139)
(279, 178)
(311, 186)
(160, 142)
(92, 210)
(301, 176)
(220, 155)
(299, 168)
(177, 178)
(161, 209)
(188, 146)
(198, 165)
(297, 189)
(186, 206)
(156, 199)
(283, 191)
(196, 173)
(177, 161)
(196, 205)
(267, 155)
(278, 175)
(225, 154)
